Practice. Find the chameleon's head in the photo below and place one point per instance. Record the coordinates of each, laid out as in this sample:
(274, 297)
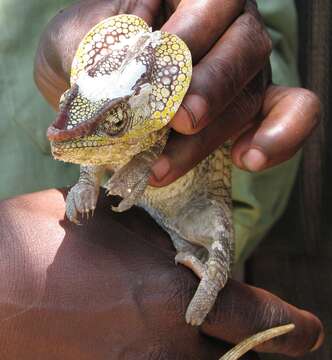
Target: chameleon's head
(127, 82)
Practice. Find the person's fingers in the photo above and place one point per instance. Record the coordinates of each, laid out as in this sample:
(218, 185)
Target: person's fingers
(174, 163)
(289, 116)
(243, 310)
(50, 84)
(240, 53)
(200, 23)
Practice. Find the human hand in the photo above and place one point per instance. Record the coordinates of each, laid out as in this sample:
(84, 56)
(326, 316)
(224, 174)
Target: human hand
(110, 289)
(230, 94)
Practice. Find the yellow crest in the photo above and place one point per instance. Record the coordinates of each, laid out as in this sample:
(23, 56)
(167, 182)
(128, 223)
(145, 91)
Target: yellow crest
(172, 68)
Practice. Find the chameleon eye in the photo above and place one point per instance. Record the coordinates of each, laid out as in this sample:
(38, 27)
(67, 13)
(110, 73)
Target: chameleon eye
(116, 121)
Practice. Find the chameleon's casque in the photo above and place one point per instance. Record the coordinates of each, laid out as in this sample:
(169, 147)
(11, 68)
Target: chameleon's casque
(127, 83)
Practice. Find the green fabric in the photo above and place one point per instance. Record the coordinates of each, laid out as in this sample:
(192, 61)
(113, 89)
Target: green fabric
(26, 164)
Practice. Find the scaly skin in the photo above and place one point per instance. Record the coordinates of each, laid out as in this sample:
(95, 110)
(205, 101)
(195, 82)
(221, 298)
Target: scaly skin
(126, 85)
(196, 212)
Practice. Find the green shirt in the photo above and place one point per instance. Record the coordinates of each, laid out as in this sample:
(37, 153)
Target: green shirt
(25, 158)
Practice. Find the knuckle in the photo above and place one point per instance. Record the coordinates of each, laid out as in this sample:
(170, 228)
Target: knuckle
(307, 102)
(223, 73)
(254, 29)
(246, 105)
(311, 99)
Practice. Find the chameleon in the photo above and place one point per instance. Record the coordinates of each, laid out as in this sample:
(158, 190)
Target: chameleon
(127, 83)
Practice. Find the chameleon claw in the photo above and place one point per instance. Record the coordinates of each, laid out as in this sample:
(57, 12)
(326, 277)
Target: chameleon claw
(194, 317)
(74, 220)
(116, 209)
(123, 206)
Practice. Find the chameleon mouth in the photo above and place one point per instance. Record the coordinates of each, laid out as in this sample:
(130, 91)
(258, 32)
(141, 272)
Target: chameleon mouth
(58, 131)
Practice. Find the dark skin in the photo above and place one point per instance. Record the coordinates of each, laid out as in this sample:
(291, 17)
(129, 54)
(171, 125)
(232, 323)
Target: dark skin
(95, 276)
(110, 290)
(231, 95)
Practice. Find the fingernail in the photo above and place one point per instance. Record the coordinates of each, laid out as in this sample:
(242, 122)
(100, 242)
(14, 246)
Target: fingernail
(320, 339)
(319, 342)
(195, 107)
(254, 160)
(161, 168)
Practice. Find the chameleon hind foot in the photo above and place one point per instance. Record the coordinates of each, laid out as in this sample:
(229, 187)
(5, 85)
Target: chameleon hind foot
(202, 302)
(213, 280)
(204, 223)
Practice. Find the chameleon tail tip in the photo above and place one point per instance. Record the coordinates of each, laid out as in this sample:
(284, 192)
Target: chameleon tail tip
(255, 340)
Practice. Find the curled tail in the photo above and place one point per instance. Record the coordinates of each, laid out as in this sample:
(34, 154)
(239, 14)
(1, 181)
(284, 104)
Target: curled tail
(255, 340)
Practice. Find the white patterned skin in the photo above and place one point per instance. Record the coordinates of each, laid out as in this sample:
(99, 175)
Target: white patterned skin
(127, 84)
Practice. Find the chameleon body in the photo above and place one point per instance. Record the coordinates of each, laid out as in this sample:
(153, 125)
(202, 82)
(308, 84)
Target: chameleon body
(127, 83)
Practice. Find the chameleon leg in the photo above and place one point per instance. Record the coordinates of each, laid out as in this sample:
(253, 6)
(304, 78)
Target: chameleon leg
(206, 222)
(82, 197)
(213, 280)
(192, 262)
(187, 250)
(190, 255)
(132, 179)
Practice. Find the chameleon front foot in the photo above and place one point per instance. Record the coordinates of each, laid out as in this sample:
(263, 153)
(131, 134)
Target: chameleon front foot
(81, 199)
(129, 195)
(129, 182)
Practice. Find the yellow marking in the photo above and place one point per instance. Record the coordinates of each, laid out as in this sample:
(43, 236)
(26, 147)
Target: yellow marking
(169, 103)
(172, 52)
(165, 92)
(178, 88)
